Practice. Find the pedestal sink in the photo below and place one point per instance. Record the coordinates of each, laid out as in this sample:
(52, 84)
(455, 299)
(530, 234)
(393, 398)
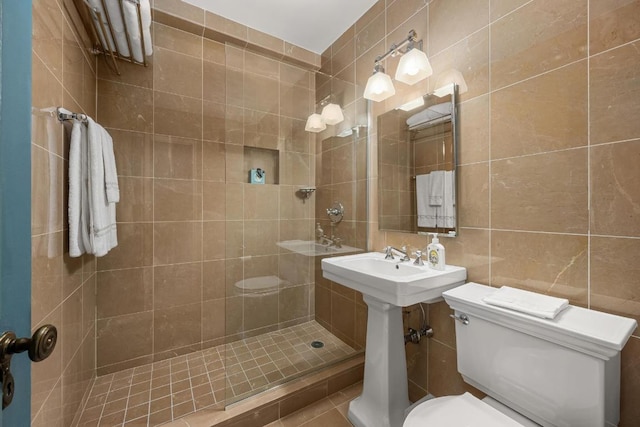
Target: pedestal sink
(387, 286)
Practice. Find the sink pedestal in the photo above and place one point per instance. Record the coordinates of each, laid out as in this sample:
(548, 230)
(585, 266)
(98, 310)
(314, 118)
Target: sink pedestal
(385, 393)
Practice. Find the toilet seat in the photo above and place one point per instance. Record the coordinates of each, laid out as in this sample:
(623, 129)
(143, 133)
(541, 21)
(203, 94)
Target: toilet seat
(456, 411)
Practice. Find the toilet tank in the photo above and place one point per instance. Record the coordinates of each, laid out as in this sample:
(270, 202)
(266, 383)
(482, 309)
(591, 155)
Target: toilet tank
(563, 372)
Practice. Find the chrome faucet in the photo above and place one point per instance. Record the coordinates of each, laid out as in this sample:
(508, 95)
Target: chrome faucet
(402, 252)
(418, 260)
(334, 241)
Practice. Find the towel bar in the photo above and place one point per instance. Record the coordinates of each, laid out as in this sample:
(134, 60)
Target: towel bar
(64, 115)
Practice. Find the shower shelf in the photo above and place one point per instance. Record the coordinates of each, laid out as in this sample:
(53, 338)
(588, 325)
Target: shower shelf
(109, 41)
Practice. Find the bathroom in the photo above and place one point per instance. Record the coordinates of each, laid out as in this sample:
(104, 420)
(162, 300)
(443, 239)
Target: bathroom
(547, 197)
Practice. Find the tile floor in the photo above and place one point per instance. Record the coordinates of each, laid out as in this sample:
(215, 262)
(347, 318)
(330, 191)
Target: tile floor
(153, 394)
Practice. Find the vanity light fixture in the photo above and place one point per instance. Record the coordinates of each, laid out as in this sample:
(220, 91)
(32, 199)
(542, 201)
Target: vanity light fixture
(315, 123)
(332, 114)
(413, 67)
(379, 86)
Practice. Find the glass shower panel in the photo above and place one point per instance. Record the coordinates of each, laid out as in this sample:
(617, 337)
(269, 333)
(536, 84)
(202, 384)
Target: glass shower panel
(271, 331)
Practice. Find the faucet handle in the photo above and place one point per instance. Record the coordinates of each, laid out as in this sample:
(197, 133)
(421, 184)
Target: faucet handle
(388, 253)
(418, 260)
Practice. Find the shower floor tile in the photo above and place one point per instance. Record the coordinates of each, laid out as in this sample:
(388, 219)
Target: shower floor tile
(163, 391)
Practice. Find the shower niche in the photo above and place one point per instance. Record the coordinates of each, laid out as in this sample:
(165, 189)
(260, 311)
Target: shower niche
(266, 159)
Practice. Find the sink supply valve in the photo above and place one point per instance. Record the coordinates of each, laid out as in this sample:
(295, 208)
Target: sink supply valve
(414, 335)
(257, 176)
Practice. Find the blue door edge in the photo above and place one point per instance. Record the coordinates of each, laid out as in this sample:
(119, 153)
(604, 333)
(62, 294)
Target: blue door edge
(15, 203)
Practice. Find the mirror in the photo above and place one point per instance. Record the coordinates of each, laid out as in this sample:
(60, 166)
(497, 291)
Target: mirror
(417, 145)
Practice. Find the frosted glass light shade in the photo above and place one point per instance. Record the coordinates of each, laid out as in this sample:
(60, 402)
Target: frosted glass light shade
(413, 67)
(379, 87)
(315, 123)
(332, 114)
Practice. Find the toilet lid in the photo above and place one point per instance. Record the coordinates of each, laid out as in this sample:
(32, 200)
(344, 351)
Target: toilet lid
(457, 411)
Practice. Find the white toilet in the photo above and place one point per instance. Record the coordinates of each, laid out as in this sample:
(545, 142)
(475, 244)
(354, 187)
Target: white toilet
(563, 372)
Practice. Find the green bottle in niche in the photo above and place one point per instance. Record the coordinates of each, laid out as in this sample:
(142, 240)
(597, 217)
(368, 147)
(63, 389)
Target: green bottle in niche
(257, 176)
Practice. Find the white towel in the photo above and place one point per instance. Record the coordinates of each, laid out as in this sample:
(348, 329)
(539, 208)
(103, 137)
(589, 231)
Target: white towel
(527, 302)
(426, 213)
(133, 26)
(447, 211)
(105, 39)
(113, 9)
(145, 15)
(116, 21)
(436, 188)
(78, 214)
(102, 225)
(110, 172)
(53, 217)
(432, 113)
(121, 41)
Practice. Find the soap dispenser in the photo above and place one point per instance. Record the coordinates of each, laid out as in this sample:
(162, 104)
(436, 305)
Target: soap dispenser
(435, 253)
(319, 233)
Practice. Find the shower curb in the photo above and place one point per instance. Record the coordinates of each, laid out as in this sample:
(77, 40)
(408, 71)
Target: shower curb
(280, 401)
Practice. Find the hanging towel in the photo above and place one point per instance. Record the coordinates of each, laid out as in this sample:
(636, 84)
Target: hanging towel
(436, 188)
(426, 213)
(78, 202)
(102, 211)
(527, 302)
(447, 211)
(110, 173)
(54, 216)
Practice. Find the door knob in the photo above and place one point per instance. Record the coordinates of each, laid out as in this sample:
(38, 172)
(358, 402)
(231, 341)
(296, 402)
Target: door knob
(39, 347)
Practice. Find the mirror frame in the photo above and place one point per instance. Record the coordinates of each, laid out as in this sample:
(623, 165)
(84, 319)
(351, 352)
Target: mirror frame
(452, 90)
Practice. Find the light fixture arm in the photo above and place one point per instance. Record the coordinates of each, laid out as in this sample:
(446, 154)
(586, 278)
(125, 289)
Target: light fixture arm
(395, 48)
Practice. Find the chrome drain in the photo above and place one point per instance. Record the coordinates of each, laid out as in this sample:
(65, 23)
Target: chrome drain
(317, 344)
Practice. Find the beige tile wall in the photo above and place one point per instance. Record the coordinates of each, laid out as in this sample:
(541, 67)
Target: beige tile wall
(548, 153)
(63, 288)
(186, 131)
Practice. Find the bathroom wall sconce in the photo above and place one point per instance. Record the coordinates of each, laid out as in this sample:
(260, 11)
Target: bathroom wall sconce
(315, 123)
(379, 86)
(331, 115)
(413, 67)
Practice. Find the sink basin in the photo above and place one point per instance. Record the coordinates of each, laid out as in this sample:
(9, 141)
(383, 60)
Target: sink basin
(398, 283)
(386, 286)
